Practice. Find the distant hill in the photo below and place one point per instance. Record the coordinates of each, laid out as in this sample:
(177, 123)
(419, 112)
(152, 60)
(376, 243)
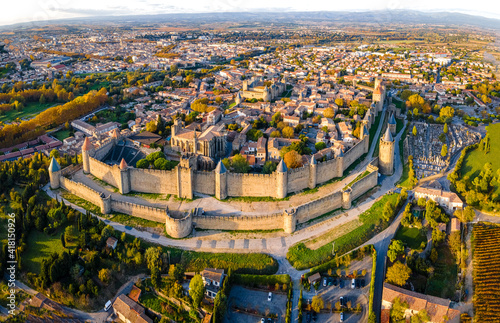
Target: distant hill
(383, 17)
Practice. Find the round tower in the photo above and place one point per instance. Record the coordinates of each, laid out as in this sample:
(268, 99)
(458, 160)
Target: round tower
(281, 180)
(346, 198)
(54, 174)
(289, 221)
(386, 155)
(87, 151)
(124, 177)
(313, 166)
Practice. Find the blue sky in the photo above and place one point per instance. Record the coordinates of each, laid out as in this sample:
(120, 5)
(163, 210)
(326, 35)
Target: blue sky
(35, 10)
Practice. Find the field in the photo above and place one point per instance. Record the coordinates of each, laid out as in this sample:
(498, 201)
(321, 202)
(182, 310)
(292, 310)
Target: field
(30, 110)
(486, 238)
(302, 257)
(475, 159)
(41, 246)
(412, 237)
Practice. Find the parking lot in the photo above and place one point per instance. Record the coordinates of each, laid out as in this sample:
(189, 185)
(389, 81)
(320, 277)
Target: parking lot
(333, 291)
(254, 300)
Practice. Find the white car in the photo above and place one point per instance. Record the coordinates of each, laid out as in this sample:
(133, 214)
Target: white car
(270, 296)
(263, 320)
(107, 306)
(324, 282)
(353, 283)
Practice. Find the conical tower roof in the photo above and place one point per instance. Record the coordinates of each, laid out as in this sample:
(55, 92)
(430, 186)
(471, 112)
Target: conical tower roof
(123, 164)
(313, 160)
(388, 136)
(281, 167)
(392, 120)
(54, 166)
(220, 169)
(87, 145)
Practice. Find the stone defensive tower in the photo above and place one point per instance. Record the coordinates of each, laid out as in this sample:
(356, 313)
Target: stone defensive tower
(54, 174)
(124, 178)
(88, 150)
(220, 181)
(281, 180)
(386, 155)
(312, 173)
(392, 124)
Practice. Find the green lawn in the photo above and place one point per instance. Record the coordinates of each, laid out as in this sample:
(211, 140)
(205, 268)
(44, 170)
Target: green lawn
(412, 237)
(41, 246)
(442, 282)
(30, 110)
(301, 257)
(475, 160)
(404, 181)
(61, 134)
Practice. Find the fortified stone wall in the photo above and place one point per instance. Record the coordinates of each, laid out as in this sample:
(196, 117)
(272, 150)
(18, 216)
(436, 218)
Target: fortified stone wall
(365, 184)
(328, 170)
(251, 184)
(269, 222)
(184, 181)
(153, 181)
(313, 209)
(204, 182)
(102, 151)
(298, 179)
(140, 211)
(354, 153)
(105, 172)
(81, 190)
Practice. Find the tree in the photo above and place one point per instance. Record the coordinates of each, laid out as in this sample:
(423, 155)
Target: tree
(220, 306)
(465, 215)
(328, 113)
(239, 164)
(151, 126)
(275, 134)
(196, 290)
(444, 150)
(398, 310)
(445, 128)
(54, 153)
(269, 167)
(104, 275)
(153, 259)
(142, 163)
(319, 145)
(339, 102)
(288, 132)
(317, 303)
(414, 131)
(447, 113)
(396, 248)
(398, 274)
(293, 159)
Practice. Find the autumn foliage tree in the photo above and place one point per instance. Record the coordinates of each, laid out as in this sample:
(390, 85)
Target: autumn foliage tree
(293, 159)
(13, 134)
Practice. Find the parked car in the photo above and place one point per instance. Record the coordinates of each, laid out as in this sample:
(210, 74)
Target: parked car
(341, 283)
(324, 282)
(362, 283)
(263, 320)
(335, 282)
(342, 317)
(353, 283)
(314, 316)
(358, 283)
(270, 296)
(107, 306)
(308, 317)
(341, 300)
(269, 320)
